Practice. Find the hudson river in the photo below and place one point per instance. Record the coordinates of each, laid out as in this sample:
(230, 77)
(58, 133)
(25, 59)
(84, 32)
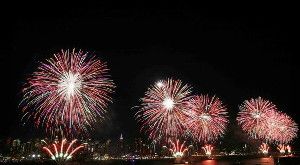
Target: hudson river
(231, 161)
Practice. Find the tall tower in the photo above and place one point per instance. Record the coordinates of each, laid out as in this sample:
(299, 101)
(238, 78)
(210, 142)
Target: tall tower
(121, 145)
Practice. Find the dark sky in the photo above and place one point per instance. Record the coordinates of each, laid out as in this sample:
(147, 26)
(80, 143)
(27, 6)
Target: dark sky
(235, 54)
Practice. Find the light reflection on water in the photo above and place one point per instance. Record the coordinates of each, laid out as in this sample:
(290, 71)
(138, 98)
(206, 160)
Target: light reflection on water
(260, 161)
(255, 161)
(208, 162)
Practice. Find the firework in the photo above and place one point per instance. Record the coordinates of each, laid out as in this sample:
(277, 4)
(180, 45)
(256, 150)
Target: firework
(289, 149)
(62, 152)
(68, 92)
(178, 149)
(253, 116)
(264, 148)
(281, 148)
(206, 118)
(162, 107)
(208, 149)
(280, 128)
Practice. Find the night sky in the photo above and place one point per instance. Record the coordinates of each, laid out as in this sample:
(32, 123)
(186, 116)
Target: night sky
(234, 54)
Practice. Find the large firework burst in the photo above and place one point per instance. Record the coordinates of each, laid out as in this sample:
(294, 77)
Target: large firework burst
(162, 107)
(68, 92)
(206, 118)
(280, 128)
(260, 118)
(253, 116)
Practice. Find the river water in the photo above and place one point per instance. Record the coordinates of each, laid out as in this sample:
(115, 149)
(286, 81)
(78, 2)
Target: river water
(232, 161)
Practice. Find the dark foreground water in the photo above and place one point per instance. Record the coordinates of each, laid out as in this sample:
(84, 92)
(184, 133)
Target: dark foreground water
(227, 161)
(257, 161)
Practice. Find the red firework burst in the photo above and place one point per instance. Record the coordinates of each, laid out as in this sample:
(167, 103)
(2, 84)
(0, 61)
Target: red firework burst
(162, 107)
(280, 128)
(67, 92)
(253, 116)
(260, 118)
(206, 118)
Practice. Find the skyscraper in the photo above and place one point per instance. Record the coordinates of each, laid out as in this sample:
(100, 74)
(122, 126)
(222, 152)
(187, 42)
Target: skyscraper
(121, 145)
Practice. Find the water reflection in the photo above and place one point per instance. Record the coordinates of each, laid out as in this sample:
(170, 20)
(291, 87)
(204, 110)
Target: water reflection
(261, 161)
(209, 162)
(231, 161)
(214, 162)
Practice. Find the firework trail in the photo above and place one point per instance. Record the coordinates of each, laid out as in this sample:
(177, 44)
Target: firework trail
(264, 148)
(161, 113)
(206, 118)
(289, 149)
(208, 149)
(62, 152)
(281, 148)
(178, 149)
(68, 92)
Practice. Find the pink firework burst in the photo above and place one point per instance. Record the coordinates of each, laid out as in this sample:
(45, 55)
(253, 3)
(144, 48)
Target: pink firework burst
(280, 128)
(206, 118)
(161, 113)
(68, 92)
(253, 116)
